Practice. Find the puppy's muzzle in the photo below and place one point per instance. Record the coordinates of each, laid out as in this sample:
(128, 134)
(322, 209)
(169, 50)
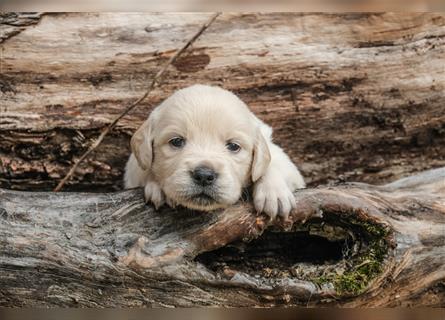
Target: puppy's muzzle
(204, 176)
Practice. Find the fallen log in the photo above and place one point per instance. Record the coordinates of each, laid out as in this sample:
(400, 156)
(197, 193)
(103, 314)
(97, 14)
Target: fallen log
(352, 97)
(346, 245)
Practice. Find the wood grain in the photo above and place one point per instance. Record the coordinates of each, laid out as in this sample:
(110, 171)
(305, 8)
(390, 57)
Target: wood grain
(112, 250)
(352, 97)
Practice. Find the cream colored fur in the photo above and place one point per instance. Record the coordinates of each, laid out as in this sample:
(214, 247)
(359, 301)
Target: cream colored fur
(208, 118)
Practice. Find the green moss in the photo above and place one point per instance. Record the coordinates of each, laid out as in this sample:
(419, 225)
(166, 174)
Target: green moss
(365, 266)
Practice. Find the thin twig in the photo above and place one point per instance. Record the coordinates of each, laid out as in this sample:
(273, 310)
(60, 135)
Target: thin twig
(156, 80)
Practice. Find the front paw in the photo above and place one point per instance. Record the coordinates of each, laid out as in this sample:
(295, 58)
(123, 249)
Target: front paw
(154, 194)
(273, 197)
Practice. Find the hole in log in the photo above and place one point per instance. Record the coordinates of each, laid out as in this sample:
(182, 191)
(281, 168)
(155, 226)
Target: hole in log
(336, 252)
(276, 249)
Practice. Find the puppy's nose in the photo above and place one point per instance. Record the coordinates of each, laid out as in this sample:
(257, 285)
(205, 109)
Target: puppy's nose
(204, 176)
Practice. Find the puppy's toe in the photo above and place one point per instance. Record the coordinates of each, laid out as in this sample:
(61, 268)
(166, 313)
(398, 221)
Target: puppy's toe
(259, 200)
(285, 207)
(274, 199)
(154, 194)
(287, 201)
(170, 202)
(272, 206)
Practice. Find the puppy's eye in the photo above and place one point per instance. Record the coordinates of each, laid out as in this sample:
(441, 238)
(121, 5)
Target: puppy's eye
(177, 142)
(232, 146)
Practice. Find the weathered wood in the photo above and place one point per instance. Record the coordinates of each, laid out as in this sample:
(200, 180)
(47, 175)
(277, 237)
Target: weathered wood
(351, 96)
(13, 23)
(110, 249)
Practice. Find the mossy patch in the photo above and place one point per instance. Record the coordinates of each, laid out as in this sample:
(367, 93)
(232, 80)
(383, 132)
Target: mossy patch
(365, 265)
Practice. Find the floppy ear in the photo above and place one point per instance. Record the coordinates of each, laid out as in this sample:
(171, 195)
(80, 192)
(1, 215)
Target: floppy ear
(261, 156)
(141, 144)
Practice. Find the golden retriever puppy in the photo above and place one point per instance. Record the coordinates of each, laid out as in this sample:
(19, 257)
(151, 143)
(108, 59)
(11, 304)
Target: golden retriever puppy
(201, 147)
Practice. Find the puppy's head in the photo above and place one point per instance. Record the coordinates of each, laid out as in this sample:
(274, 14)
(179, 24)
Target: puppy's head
(203, 146)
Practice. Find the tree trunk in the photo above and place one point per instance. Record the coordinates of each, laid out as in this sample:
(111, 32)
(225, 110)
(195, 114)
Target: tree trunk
(352, 97)
(349, 245)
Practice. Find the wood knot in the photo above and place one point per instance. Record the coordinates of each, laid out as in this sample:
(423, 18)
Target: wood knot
(192, 62)
(139, 255)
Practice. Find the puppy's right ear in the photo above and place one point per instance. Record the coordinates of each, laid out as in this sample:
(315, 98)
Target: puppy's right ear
(141, 144)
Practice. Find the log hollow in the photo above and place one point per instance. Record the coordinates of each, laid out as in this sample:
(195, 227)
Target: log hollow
(346, 245)
(351, 97)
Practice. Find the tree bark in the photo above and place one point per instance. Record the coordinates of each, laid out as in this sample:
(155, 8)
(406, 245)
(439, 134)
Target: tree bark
(348, 245)
(352, 97)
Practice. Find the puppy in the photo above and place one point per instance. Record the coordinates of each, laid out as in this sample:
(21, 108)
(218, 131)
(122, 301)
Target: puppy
(201, 147)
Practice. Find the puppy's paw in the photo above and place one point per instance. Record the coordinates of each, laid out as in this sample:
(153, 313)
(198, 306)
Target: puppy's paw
(273, 197)
(295, 181)
(171, 203)
(154, 194)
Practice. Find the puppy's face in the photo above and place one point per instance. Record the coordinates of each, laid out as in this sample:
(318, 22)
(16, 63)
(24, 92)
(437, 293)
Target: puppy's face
(205, 147)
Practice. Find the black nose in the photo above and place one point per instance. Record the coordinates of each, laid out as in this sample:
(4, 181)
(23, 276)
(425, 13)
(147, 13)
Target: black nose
(204, 176)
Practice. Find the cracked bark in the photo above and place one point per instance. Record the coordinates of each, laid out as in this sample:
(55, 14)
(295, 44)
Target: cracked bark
(351, 97)
(12, 23)
(110, 249)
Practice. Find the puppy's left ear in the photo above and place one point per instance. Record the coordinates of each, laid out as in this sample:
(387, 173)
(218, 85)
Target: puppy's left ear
(141, 144)
(261, 156)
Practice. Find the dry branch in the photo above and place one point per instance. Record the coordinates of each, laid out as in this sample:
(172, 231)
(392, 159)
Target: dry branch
(155, 81)
(361, 245)
(355, 97)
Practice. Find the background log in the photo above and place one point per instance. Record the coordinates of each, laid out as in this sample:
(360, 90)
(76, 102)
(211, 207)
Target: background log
(110, 249)
(350, 96)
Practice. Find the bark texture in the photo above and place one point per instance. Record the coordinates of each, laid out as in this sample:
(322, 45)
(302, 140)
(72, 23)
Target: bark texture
(12, 23)
(352, 97)
(110, 249)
